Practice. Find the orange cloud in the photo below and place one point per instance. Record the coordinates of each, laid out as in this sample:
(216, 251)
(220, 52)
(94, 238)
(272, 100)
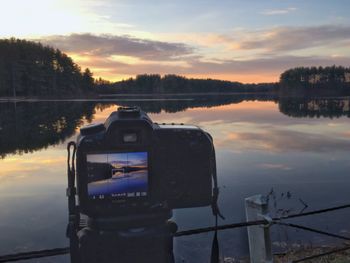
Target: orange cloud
(124, 67)
(346, 134)
(247, 57)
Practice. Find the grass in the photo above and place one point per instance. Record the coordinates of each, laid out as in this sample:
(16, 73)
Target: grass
(339, 257)
(294, 254)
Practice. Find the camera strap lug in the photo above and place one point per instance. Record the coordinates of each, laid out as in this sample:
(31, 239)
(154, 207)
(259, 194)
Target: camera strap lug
(215, 251)
(73, 216)
(214, 205)
(70, 231)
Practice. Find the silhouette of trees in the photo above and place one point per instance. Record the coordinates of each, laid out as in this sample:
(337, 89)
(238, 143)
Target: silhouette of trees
(87, 80)
(309, 76)
(310, 81)
(155, 84)
(30, 69)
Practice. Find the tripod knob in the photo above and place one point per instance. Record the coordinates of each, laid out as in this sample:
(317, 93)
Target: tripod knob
(172, 226)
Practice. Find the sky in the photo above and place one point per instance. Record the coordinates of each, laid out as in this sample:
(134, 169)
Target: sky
(247, 41)
(132, 158)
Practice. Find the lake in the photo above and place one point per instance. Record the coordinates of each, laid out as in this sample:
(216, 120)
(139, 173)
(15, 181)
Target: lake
(295, 149)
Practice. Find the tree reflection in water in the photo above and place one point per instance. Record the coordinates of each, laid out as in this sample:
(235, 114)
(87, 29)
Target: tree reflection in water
(315, 107)
(27, 127)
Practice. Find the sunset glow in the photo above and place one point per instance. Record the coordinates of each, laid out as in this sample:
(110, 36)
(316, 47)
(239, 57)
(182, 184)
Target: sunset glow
(242, 41)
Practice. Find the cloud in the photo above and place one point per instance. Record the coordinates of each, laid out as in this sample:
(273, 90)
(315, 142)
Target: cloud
(271, 12)
(294, 38)
(276, 140)
(275, 166)
(115, 57)
(265, 65)
(108, 45)
(273, 65)
(246, 71)
(346, 134)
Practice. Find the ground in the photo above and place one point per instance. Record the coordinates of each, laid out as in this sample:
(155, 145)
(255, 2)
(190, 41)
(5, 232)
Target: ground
(295, 254)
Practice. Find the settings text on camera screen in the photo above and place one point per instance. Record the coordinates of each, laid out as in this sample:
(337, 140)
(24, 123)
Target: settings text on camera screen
(117, 175)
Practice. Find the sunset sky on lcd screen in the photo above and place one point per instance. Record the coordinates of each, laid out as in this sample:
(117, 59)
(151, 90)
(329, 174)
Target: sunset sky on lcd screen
(247, 41)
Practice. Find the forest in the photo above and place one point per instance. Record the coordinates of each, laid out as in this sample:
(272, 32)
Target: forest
(28, 68)
(315, 76)
(169, 84)
(315, 81)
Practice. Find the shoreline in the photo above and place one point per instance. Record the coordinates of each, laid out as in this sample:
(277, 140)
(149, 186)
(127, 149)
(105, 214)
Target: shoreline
(162, 96)
(132, 97)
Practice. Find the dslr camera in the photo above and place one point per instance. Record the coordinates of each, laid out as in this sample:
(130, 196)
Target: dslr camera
(130, 165)
(130, 174)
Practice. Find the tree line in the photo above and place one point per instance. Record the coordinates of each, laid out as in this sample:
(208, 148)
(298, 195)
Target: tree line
(156, 84)
(313, 76)
(30, 68)
(315, 81)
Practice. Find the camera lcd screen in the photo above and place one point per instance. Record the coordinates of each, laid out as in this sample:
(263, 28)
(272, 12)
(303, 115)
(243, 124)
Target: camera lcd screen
(117, 175)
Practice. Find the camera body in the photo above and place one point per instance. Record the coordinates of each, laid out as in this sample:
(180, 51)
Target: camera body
(130, 165)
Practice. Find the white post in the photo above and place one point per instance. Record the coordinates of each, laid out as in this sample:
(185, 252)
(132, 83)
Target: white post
(259, 236)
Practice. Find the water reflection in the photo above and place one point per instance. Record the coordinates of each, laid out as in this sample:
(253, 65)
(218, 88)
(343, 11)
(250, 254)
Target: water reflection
(276, 140)
(316, 107)
(182, 104)
(259, 147)
(27, 127)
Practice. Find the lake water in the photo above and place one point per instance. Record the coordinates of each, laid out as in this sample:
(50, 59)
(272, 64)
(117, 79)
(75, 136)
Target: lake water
(295, 149)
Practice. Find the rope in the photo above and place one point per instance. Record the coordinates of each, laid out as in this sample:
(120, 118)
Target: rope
(313, 230)
(222, 227)
(258, 222)
(314, 212)
(34, 254)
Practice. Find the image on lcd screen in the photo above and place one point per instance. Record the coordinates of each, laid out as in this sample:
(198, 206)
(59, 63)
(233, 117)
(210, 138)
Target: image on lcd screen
(117, 174)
